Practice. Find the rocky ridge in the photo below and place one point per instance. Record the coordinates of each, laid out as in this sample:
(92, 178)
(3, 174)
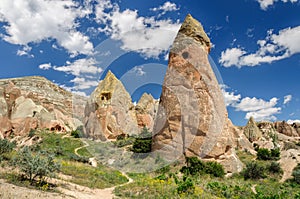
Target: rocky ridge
(34, 102)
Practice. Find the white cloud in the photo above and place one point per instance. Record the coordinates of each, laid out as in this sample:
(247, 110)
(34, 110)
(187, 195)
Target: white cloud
(254, 104)
(79, 67)
(25, 51)
(45, 66)
(145, 35)
(83, 83)
(293, 121)
(33, 21)
(139, 70)
(264, 4)
(259, 109)
(273, 48)
(166, 7)
(287, 99)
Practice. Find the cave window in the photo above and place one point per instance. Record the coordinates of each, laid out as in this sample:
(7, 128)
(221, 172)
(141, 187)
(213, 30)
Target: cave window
(105, 96)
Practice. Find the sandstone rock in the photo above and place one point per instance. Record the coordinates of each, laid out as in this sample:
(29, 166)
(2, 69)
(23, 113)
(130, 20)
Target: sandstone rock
(6, 127)
(286, 129)
(192, 117)
(109, 111)
(146, 110)
(251, 131)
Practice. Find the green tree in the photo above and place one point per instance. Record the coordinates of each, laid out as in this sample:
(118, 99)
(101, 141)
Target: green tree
(143, 142)
(34, 166)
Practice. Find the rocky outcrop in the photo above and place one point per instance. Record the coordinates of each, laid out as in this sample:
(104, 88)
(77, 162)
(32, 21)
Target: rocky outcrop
(110, 111)
(192, 118)
(146, 110)
(287, 129)
(35, 102)
(251, 131)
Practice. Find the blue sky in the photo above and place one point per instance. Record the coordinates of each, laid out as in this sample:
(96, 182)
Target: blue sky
(256, 52)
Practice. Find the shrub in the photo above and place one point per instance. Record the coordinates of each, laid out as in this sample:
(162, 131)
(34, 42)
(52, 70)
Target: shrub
(263, 154)
(77, 158)
(296, 174)
(196, 166)
(31, 133)
(253, 171)
(186, 186)
(35, 166)
(266, 154)
(143, 142)
(274, 167)
(6, 146)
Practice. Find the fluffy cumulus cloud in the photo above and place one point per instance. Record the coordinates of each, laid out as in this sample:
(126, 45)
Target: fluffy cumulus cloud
(32, 21)
(146, 35)
(46, 66)
(166, 7)
(80, 67)
(293, 121)
(264, 4)
(287, 99)
(259, 109)
(273, 48)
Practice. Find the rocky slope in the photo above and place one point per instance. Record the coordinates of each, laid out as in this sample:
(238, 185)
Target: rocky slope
(34, 102)
(192, 117)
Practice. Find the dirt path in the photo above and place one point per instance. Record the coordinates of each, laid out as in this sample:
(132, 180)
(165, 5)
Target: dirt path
(86, 144)
(253, 188)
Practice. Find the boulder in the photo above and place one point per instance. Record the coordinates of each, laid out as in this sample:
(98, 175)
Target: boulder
(192, 118)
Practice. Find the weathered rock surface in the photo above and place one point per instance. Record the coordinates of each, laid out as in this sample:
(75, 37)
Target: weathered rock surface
(146, 110)
(287, 129)
(110, 111)
(35, 102)
(251, 131)
(192, 118)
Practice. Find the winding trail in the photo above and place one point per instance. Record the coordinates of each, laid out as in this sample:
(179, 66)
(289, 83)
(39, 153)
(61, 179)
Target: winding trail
(253, 188)
(106, 193)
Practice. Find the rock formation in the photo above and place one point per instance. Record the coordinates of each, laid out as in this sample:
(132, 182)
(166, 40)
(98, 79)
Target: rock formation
(192, 118)
(110, 111)
(287, 129)
(35, 102)
(251, 131)
(146, 110)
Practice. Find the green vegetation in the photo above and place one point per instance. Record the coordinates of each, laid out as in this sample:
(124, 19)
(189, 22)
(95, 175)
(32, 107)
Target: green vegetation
(196, 166)
(254, 171)
(266, 154)
(296, 174)
(6, 147)
(143, 143)
(86, 175)
(78, 133)
(35, 166)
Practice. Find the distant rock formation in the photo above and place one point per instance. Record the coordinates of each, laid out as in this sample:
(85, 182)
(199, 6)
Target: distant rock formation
(34, 102)
(287, 129)
(146, 110)
(251, 131)
(109, 111)
(192, 117)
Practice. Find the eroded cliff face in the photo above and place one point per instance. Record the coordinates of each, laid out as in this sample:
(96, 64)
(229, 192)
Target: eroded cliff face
(192, 117)
(109, 111)
(34, 102)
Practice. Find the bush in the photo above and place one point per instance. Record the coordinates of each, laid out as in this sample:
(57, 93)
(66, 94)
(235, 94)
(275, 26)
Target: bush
(143, 142)
(186, 186)
(6, 146)
(274, 167)
(263, 154)
(266, 154)
(253, 171)
(196, 166)
(35, 166)
(31, 133)
(77, 158)
(296, 174)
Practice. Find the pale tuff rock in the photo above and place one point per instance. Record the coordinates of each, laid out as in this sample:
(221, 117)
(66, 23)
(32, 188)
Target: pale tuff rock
(192, 118)
(109, 111)
(146, 110)
(251, 131)
(34, 102)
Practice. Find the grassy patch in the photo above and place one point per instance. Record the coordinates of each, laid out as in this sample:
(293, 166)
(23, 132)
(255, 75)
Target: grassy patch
(85, 175)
